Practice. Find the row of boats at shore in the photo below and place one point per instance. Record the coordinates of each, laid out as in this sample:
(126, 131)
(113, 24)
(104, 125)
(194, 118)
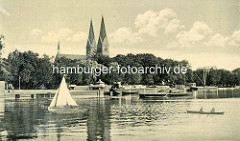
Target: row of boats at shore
(164, 91)
(63, 103)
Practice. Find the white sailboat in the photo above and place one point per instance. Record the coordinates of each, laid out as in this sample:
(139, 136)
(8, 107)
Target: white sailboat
(62, 100)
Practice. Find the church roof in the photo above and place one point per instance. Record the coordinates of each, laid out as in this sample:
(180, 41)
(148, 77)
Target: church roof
(72, 56)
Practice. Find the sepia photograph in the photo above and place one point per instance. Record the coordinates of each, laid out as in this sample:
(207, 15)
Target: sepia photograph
(111, 70)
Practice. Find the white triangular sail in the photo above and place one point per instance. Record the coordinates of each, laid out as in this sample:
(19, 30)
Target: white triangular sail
(62, 96)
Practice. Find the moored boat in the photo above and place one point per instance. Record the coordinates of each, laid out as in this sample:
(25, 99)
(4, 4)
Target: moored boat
(145, 95)
(115, 92)
(99, 85)
(127, 92)
(178, 94)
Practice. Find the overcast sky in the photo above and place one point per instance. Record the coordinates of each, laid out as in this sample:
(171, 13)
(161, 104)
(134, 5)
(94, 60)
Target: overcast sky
(205, 32)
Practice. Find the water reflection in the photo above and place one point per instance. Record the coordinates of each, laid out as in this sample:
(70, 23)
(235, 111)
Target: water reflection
(120, 119)
(28, 119)
(218, 93)
(98, 123)
(20, 119)
(2, 110)
(143, 112)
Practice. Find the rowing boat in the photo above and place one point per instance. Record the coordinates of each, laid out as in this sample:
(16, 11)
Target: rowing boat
(200, 112)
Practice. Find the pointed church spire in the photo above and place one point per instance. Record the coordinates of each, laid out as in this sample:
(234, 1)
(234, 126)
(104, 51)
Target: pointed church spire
(103, 29)
(58, 47)
(91, 43)
(102, 47)
(91, 36)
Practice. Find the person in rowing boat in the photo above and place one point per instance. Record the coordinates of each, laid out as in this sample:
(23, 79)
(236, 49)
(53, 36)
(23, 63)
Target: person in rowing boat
(201, 109)
(213, 110)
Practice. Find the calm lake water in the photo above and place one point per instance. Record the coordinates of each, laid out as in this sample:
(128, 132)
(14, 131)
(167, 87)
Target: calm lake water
(121, 119)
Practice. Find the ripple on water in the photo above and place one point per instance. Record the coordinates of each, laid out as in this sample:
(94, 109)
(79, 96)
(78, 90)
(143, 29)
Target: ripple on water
(107, 119)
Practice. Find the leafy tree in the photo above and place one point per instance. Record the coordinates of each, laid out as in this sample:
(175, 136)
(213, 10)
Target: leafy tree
(1, 44)
(44, 74)
(22, 66)
(214, 77)
(236, 74)
(104, 60)
(1, 61)
(148, 79)
(35, 71)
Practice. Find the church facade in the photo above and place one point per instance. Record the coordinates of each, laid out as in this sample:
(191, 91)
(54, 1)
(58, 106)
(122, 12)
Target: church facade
(92, 49)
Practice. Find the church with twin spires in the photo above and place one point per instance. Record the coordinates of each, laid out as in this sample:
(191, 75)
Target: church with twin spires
(92, 49)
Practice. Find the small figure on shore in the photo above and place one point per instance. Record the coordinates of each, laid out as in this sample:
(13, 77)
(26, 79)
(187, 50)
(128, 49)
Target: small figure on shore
(213, 110)
(170, 91)
(201, 109)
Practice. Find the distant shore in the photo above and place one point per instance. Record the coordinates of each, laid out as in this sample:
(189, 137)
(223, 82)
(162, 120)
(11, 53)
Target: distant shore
(86, 92)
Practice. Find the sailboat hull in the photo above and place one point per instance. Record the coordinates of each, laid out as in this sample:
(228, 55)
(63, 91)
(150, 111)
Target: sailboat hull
(65, 110)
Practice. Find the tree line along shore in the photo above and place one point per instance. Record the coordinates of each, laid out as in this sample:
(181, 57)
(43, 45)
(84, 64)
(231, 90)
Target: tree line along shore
(31, 71)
